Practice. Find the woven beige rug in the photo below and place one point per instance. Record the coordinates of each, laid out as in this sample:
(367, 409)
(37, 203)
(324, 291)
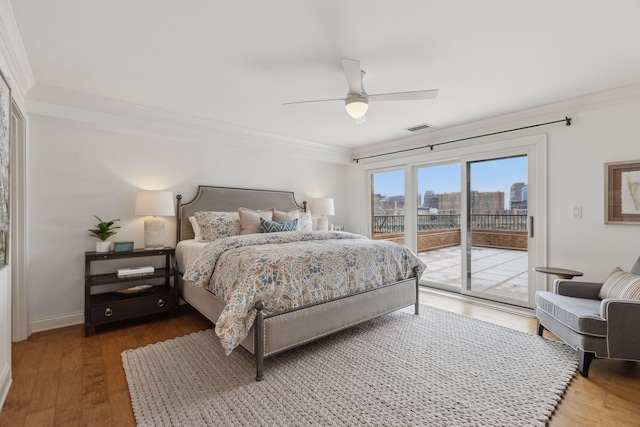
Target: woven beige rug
(435, 369)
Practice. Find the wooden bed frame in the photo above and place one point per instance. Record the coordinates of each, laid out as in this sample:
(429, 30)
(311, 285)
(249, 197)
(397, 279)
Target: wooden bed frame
(276, 333)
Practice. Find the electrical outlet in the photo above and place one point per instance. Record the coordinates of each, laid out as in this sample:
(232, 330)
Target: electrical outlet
(576, 212)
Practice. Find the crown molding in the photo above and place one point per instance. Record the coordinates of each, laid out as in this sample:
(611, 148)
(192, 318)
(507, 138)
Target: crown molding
(61, 103)
(12, 49)
(548, 112)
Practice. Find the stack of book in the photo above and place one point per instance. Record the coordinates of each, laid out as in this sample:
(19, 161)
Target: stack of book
(125, 273)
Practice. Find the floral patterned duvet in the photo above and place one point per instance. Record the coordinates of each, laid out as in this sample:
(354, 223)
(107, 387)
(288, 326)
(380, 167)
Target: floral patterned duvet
(291, 269)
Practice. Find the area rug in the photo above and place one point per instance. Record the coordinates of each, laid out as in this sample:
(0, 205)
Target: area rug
(435, 369)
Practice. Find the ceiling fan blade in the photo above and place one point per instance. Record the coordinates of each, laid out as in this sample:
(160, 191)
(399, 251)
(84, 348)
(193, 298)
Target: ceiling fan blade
(315, 100)
(354, 76)
(405, 96)
(361, 120)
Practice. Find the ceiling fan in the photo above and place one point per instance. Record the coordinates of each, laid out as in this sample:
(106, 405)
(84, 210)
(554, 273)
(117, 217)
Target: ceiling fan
(357, 100)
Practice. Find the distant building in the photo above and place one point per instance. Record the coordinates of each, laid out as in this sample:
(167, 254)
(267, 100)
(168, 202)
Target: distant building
(449, 203)
(396, 201)
(388, 205)
(430, 200)
(519, 203)
(519, 207)
(516, 192)
(487, 202)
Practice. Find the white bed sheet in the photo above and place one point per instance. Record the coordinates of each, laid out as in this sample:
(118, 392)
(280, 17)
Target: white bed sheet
(187, 251)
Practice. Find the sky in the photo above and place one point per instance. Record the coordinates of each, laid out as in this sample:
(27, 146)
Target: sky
(490, 175)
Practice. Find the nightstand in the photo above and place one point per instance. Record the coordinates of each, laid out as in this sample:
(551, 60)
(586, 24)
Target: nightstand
(108, 307)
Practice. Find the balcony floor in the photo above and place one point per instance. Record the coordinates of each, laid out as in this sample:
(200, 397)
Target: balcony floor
(501, 272)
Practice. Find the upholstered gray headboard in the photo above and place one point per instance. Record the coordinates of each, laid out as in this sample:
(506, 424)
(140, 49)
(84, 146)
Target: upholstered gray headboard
(225, 199)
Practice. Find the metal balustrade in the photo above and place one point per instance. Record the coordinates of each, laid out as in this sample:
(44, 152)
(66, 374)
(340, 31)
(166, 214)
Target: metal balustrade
(392, 224)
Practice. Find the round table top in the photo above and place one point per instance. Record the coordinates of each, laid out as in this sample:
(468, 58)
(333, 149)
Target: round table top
(562, 273)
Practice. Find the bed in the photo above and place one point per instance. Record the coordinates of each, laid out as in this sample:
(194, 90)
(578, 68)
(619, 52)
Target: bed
(272, 332)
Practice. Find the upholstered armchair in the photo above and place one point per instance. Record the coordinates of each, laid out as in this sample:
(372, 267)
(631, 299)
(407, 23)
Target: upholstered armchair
(599, 320)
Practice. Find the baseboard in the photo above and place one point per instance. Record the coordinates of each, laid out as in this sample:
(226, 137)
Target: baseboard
(56, 322)
(63, 321)
(5, 384)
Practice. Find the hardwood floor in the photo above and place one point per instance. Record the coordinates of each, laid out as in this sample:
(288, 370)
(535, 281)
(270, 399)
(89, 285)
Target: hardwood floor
(61, 378)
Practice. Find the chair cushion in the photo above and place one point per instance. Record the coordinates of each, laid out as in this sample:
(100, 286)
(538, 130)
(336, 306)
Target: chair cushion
(580, 314)
(621, 285)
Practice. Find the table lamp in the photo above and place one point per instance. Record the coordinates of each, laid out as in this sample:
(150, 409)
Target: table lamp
(154, 203)
(321, 208)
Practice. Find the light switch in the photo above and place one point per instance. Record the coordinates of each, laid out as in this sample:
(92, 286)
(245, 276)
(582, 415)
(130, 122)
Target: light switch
(576, 212)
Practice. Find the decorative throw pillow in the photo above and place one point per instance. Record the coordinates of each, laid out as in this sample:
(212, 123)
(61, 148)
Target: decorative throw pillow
(304, 221)
(267, 226)
(250, 220)
(621, 285)
(216, 225)
(196, 228)
(279, 216)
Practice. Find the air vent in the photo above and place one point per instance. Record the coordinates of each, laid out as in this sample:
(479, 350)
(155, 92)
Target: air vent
(420, 128)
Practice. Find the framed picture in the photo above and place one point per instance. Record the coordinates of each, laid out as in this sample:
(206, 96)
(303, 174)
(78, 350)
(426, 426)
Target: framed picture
(622, 193)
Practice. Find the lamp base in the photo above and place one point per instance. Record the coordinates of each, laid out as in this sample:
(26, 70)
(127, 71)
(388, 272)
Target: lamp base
(154, 233)
(323, 223)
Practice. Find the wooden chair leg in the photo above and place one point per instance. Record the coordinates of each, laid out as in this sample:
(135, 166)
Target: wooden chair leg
(540, 328)
(586, 358)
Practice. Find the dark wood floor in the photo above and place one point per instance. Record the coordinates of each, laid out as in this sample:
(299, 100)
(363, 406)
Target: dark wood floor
(61, 378)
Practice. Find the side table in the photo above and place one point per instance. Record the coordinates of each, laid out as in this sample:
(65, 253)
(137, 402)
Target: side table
(108, 307)
(562, 273)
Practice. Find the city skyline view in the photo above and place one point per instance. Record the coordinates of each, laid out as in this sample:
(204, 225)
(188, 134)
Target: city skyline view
(486, 176)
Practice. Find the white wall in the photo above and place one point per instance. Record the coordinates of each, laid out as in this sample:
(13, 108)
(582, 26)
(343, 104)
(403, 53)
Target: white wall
(78, 169)
(575, 177)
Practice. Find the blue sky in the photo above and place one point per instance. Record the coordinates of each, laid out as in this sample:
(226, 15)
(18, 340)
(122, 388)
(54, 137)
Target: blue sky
(491, 175)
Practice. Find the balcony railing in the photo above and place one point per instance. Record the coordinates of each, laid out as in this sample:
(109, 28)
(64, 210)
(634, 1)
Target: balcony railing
(391, 224)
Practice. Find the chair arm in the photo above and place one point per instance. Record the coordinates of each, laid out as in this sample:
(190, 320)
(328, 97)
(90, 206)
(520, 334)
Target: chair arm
(572, 288)
(623, 334)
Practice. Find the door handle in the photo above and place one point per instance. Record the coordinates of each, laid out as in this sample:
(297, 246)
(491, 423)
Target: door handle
(531, 222)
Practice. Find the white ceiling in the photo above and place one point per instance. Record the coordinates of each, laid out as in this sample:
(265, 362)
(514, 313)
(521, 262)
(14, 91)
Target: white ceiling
(238, 61)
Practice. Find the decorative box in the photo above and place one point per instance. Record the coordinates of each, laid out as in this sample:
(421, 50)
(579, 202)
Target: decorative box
(123, 246)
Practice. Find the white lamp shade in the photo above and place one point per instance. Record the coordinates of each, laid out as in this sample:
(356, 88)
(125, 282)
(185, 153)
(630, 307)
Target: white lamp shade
(323, 207)
(356, 107)
(155, 203)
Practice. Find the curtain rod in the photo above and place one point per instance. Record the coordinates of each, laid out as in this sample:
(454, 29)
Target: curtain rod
(566, 120)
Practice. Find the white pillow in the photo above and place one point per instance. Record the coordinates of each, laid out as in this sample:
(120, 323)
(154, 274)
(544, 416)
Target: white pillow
(250, 220)
(279, 216)
(196, 228)
(305, 222)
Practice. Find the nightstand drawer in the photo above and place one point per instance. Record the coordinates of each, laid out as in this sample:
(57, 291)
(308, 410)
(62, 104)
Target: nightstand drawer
(132, 307)
(102, 307)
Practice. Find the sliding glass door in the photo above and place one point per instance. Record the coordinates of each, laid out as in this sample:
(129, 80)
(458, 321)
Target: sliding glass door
(438, 225)
(468, 214)
(496, 229)
(388, 205)
(472, 226)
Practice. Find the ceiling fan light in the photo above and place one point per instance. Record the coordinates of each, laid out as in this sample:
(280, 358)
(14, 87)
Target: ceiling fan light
(356, 107)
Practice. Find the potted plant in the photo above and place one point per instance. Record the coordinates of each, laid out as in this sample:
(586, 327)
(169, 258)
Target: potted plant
(103, 230)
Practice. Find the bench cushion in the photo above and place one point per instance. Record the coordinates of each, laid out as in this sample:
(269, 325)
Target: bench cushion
(580, 314)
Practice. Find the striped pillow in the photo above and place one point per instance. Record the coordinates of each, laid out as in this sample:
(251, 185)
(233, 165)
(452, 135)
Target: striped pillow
(621, 285)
